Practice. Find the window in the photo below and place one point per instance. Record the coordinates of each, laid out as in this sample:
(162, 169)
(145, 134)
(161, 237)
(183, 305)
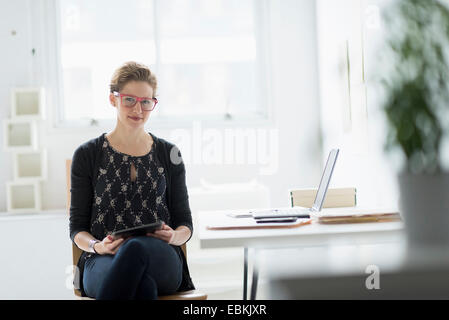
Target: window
(207, 55)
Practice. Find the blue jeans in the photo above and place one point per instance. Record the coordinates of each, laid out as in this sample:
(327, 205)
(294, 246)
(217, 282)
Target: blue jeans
(142, 268)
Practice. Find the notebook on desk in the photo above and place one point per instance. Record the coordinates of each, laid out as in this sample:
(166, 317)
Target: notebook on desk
(228, 223)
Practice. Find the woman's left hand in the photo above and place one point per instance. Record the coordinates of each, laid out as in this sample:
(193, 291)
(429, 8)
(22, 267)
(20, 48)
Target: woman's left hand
(166, 233)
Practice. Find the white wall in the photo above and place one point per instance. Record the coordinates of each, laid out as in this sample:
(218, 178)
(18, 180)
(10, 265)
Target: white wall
(351, 117)
(295, 98)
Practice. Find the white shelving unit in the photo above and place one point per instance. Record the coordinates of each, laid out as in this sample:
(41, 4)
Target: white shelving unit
(21, 139)
(19, 135)
(23, 196)
(30, 165)
(27, 103)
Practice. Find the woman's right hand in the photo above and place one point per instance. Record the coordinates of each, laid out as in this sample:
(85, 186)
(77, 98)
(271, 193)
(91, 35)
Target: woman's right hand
(108, 245)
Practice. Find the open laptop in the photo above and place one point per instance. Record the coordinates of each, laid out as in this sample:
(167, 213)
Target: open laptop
(301, 212)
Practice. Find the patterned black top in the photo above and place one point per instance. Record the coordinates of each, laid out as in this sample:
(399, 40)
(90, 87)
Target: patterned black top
(121, 203)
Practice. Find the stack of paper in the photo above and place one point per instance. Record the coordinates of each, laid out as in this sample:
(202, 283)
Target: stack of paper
(358, 216)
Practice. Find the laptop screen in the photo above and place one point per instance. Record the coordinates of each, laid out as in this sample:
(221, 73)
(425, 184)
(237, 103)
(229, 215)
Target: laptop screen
(325, 179)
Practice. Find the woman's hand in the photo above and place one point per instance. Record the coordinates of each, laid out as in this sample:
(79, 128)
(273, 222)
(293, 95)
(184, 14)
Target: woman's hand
(166, 234)
(108, 245)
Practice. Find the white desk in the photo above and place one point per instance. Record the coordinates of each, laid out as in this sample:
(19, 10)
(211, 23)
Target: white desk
(309, 235)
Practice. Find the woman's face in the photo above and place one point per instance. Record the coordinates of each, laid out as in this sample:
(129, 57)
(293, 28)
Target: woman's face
(133, 117)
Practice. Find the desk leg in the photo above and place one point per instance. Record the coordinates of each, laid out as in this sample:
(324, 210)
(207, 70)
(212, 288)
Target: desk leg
(255, 277)
(245, 272)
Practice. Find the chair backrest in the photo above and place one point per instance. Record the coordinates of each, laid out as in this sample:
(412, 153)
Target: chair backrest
(335, 197)
(76, 252)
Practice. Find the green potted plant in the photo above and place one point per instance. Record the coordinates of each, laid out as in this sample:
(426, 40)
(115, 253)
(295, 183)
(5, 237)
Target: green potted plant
(415, 78)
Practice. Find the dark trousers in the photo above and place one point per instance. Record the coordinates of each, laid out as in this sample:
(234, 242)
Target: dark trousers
(142, 268)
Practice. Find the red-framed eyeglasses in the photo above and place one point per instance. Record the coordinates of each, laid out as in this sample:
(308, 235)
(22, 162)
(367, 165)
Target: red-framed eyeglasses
(129, 101)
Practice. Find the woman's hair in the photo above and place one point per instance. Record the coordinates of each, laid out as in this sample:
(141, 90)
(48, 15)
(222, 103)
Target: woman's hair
(132, 71)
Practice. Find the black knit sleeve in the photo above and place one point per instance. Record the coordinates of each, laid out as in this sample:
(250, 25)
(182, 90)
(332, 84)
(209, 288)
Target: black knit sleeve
(180, 213)
(81, 192)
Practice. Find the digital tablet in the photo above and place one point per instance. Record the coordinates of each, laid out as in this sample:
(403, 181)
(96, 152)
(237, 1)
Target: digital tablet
(137, 231)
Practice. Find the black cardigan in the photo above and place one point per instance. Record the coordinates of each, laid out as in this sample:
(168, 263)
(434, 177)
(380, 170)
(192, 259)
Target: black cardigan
(85, 166)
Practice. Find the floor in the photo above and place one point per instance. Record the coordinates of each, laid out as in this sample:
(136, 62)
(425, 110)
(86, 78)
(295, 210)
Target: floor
(36, 261)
